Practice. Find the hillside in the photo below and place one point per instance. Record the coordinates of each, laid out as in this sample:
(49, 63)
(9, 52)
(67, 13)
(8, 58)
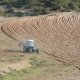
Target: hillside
(50, 33)
(36, 7)
(56, 35)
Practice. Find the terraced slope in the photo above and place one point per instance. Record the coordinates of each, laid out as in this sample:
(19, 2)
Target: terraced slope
(57, 35)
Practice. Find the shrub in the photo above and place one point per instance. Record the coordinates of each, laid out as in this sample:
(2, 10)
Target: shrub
(2, 12)
(40, 10)
(11, 10)
(19, 13)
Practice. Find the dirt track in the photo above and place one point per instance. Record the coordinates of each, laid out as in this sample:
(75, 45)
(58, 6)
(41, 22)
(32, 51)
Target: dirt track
(57, 35)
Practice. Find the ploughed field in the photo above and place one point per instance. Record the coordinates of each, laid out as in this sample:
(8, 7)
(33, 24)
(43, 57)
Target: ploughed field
(57, 35)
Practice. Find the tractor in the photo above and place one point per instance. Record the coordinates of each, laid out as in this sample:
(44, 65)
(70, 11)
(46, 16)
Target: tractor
(29, 46)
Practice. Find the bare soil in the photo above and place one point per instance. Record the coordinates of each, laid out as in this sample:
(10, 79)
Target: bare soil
(56, 35)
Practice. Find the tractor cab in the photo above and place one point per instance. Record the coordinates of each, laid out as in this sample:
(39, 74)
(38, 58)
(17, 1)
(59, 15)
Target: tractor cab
(29, 43)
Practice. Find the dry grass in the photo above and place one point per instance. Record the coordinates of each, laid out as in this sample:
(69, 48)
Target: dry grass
(58, 35)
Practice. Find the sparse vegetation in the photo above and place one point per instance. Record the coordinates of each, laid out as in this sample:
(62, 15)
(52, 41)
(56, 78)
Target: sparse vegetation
(39, 7)
(43, 29)
(40, 72)
(11, 59)
(2, 12)
(63, 45)
(37, 62)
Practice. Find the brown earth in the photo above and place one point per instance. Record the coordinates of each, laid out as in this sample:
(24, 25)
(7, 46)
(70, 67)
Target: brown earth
(15, 66)
(8, 67)
(57, 35)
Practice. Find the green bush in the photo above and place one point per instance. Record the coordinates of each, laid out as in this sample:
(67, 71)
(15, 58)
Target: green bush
(2, 12)
(40, 10)
(19, 14)
(39, 7)
(11, 10)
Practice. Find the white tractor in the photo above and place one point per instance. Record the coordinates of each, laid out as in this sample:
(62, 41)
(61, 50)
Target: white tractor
(29, 46)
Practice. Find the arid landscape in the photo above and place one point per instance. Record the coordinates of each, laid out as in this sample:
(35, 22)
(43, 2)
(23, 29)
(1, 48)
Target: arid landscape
(57, 36)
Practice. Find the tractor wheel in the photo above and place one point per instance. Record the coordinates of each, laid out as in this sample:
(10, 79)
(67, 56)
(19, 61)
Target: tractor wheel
(30, 50)
(24, 49)
(37, 50)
